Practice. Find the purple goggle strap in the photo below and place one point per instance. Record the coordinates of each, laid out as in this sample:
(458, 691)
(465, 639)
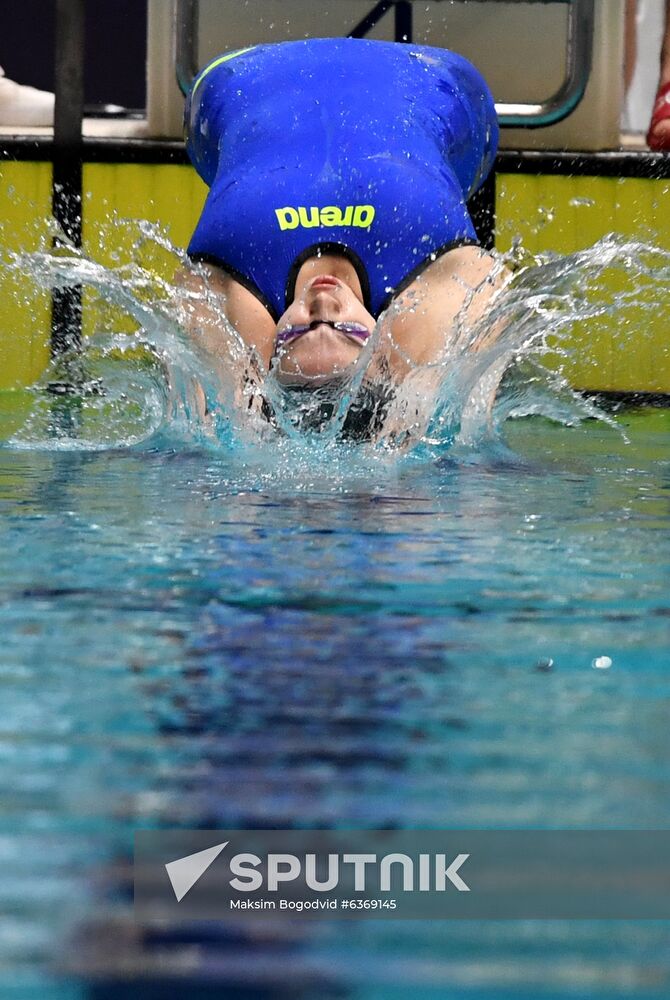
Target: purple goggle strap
(355, 330)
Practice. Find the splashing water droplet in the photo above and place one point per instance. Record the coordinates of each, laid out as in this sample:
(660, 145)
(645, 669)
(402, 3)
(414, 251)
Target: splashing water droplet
(601, 663)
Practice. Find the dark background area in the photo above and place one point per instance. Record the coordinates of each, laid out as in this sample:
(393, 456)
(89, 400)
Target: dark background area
(116, 34)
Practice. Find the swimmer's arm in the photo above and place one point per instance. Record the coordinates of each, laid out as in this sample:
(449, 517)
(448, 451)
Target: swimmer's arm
(230, 328)
(439, 314)
(210, 303)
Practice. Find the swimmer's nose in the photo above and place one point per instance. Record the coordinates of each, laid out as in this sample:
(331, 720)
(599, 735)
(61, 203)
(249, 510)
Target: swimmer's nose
(324, 305)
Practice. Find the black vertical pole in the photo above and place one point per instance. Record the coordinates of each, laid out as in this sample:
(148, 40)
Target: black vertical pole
(67, 164)
(403, 21)
(482, 208)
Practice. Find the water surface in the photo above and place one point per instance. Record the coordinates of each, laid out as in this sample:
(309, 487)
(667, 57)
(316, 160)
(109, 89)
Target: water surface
(190, 638)
(208, 626)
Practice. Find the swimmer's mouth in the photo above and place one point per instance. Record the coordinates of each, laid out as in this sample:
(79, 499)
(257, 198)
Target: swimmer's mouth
(355, 331)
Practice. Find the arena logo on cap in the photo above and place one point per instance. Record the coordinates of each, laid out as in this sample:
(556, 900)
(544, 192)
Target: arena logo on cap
(361, 216)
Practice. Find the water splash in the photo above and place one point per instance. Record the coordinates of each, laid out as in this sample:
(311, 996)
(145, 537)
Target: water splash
(122, 388)
(125, 389)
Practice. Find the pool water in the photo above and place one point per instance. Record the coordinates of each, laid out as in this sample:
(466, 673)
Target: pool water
(207, 625)
(197, 637)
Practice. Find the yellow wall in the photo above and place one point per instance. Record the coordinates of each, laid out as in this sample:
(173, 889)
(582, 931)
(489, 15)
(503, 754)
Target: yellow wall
(117, 197)
(629, 351)
(25, 203)
(555, 213)
(170, 196)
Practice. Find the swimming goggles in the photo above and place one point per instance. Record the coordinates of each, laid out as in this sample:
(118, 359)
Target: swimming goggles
(357, 331)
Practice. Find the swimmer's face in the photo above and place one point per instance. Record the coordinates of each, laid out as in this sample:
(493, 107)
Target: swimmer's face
(324, 329)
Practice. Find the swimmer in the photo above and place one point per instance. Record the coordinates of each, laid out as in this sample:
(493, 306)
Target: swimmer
(339, 171)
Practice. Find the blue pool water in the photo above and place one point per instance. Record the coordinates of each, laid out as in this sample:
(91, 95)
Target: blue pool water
(203, 627)
(201, 638)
